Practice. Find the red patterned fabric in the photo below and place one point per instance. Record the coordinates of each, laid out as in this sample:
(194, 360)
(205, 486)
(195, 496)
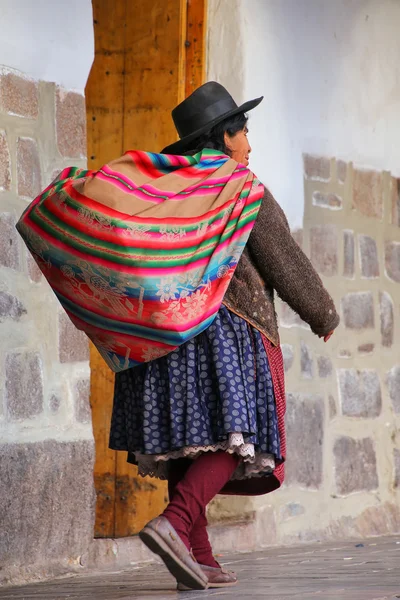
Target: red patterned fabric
(257, 486)
(141, 252)
(275, 359)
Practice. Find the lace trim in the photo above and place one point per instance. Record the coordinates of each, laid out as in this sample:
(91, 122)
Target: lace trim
(253, 464)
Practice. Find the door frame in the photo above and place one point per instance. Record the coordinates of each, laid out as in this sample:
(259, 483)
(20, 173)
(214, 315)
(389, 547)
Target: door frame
(139, 74)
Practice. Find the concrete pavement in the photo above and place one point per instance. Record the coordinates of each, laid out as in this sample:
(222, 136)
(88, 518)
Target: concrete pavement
(366, 570)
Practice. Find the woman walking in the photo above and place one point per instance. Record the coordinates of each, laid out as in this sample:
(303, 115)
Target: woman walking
(208, 417)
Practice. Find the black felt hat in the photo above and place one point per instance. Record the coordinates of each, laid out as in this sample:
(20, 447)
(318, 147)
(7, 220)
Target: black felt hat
(207, 106)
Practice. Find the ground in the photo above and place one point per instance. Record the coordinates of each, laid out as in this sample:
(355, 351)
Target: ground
(367, 570)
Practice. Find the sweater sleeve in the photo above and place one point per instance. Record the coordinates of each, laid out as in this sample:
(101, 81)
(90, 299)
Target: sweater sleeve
(282, 264)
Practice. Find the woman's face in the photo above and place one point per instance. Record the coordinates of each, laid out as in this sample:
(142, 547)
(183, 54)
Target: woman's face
(239, 146)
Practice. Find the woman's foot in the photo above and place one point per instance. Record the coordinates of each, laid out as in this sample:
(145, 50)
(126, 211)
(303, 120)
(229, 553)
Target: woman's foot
(162, 539)
(217, 578)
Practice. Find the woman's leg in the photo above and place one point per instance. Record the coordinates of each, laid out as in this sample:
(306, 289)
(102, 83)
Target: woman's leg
(200, 543)
(177, 471)
(203, 479)
(198, 538)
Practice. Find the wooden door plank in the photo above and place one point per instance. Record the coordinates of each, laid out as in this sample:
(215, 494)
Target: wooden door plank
(155, 70)
(155, 76)
(195, 60)
(101, 393)
(138, 499)
(143, 67)
(105, 87)
(105, 114)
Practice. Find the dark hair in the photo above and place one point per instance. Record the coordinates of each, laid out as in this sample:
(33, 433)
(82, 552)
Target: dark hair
(214, 138)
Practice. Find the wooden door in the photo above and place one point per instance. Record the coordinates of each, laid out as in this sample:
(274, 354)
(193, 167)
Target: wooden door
(149, 55)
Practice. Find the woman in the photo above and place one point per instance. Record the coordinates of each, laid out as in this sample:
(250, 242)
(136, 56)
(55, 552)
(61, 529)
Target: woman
(209, 416)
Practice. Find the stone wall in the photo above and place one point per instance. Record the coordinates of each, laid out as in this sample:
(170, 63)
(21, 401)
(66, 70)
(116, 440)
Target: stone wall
(343, 468)
(47, 451)
(343, 397)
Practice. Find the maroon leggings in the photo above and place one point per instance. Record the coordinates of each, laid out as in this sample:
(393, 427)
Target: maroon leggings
(192, 484)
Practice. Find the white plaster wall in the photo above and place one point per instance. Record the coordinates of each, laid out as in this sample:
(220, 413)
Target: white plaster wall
(51, 40)
(330, 74)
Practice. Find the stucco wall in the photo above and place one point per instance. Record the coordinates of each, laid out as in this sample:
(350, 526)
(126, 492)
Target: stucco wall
(46, 439)
(47, 40)
(330, 75)
(329, 72)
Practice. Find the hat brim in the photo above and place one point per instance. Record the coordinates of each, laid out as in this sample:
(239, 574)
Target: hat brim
(183, 144)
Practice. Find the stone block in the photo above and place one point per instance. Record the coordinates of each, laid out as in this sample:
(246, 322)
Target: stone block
(241, 535)
(369, 257)
(332, 201)
(73, 345)
(71, 124)
(55, 403)
(35, 274)
(298, 235)
(24, 385)
(396, 201)
(305, 432)
(28, 168)
(396, 463)
(229, 509)
(19, 96)
(317, 167)
(368, 193)
(366, 348)
(348, 252)
(323, 249)
(5, 163)
(332, 407)
(292, 509)
(387, 319)
(47, 499)
(392, 260)
(324, 367)
(82, 405)
(360, 393)
(54, 175)
(383, 519)
(355, 465)
(288, 356)
(306, 361)
(341, 169)
(11, 307)
(9, 242)
(358, 310)
(393, 384)
(289, 318)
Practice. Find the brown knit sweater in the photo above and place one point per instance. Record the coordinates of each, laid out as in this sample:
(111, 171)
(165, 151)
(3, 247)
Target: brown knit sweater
(272, 260)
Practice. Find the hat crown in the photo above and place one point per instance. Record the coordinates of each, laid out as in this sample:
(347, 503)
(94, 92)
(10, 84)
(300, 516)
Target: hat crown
(209, 102)
(207, 106)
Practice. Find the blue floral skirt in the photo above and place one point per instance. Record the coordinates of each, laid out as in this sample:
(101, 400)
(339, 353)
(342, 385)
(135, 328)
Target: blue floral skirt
(214, 392)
